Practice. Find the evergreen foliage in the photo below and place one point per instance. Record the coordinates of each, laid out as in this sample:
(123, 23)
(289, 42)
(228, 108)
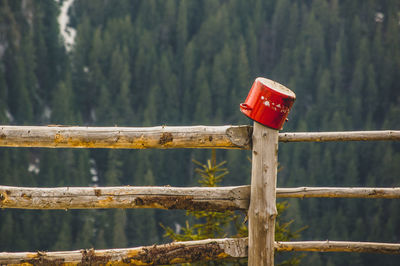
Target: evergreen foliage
(228, 223)
(152, 62)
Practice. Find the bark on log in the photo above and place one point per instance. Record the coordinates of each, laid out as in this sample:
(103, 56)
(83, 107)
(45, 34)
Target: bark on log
(262, 210)
(162, 137)
(189, 198)
(339, 246)
(176, 252)
(183, 252)
(340, 136)
(339, 192)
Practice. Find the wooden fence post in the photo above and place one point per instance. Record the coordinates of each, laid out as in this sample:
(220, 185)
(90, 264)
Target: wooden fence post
(262, 210)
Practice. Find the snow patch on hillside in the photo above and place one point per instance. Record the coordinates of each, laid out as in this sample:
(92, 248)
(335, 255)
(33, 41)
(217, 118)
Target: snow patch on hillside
(68, 33)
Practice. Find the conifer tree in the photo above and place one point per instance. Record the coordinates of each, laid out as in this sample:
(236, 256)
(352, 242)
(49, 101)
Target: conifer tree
(84, 239)
(7, 228)
(64, 238)
(62, 104)
(222, 224)
(119, 239)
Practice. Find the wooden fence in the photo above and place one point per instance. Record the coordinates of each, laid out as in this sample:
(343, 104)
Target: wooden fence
(259, 198)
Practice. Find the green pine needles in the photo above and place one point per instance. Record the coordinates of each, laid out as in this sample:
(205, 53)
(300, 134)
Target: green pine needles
(209, 224)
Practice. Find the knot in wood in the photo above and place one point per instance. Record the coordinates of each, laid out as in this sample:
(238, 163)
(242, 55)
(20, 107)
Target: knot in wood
(265, 168)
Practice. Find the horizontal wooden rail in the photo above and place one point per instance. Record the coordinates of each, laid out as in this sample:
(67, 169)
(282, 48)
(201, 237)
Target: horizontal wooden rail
(339, 192)
(184, 252)
(176, 252)
(162, 137)
(189, 198)
(340, 136)
(339, 246)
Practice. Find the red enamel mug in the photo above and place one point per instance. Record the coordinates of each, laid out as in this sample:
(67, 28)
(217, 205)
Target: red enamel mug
(268, 103)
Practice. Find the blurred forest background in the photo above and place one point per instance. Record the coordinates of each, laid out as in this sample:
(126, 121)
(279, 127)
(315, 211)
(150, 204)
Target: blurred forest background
(148, 63)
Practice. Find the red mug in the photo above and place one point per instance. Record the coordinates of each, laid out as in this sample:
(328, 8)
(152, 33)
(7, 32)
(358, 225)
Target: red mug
(268, 103)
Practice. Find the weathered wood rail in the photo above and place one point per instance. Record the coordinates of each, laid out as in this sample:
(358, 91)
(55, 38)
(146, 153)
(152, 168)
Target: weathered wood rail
(172, 253)
(183, 252)
(164, 137)
(258, 199)
(185, 198)
(340, 136)
(339, 192)
(339, 246)
(188, 198)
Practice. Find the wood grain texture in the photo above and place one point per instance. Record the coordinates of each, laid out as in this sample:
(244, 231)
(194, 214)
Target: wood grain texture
(339, 246)
(339, 192)
(176, 252)
(184, 252)
(262, 211)
(189, 198)
(162, 137)
(393, 135)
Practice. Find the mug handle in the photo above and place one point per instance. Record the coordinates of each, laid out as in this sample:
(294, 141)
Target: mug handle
(245, 106)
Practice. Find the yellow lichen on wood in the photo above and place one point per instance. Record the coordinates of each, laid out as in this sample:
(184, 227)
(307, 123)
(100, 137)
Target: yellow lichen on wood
(176, 252)
(225, 137)
(222, 255)
(133, 253)
(32, 255)
(58, 138)
(138, 262)
(178, 260)
(105, 202)
(79, 143)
